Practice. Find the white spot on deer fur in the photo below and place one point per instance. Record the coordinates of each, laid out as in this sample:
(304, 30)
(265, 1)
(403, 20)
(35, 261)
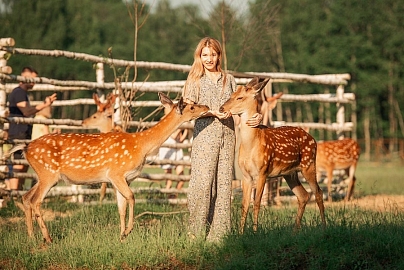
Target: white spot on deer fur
(123, 146)
(126, 152)
(116, 155)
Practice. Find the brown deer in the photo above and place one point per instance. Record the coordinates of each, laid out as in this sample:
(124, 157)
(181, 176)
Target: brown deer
(272, 152)
(114, 157)
(338, 155)
(103, 120)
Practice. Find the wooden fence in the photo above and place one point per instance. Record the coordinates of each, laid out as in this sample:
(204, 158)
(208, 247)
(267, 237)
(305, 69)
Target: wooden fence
(8, 81)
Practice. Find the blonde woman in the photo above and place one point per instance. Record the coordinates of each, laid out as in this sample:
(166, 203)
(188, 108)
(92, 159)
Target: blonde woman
(212, 157)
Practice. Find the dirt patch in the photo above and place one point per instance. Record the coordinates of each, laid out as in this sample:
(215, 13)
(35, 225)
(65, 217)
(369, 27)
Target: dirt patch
(380, 203)
(47, 215)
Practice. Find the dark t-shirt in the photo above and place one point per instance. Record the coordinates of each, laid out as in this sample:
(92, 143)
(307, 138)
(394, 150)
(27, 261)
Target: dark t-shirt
(18, 131)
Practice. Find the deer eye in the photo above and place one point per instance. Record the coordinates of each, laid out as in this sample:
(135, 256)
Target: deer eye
(239, 98)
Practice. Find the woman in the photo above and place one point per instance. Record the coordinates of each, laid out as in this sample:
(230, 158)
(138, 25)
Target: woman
(212, 158)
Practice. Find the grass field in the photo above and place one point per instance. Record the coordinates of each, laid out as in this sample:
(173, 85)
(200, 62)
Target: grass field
(87, 236)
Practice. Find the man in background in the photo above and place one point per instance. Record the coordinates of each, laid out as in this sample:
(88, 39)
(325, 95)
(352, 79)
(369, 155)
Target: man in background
(19, 106)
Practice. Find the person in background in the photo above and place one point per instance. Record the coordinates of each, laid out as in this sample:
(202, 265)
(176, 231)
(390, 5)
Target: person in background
(19, 106)
(174, 154)
(39, 130)
(212, 156)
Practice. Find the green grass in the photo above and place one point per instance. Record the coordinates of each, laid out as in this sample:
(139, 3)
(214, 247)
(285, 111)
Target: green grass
(87, 237)
(380, 178)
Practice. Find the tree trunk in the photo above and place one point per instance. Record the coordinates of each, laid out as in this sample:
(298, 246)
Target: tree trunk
(392, 118)
(366, 131)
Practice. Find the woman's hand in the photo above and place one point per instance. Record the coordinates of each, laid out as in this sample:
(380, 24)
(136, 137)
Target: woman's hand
(220, 115)
(255, 120)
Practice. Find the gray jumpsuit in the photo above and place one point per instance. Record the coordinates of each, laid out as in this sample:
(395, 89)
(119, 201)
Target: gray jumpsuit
(212, 160)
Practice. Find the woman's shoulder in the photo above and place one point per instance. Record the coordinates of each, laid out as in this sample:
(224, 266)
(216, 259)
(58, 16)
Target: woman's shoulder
(230, 78)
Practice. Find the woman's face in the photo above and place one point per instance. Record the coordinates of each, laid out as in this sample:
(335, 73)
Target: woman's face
(209, 59)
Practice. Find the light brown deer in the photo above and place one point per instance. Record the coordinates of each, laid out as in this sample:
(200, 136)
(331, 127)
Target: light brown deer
(114, 157)
(338, 155)
(103, 120)
(272, 152)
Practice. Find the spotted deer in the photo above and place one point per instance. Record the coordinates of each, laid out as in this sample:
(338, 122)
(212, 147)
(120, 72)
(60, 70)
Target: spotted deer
(103, 120)
(272, 152)
(114, 157)
(338, 155)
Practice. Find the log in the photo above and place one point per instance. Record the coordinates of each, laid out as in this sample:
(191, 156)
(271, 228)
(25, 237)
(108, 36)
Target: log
(331, 79)
(347, 126)
(152, 177)
(6, 70)
(7, 42)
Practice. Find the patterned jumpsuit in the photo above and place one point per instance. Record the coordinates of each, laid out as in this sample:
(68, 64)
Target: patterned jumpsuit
(212, 160)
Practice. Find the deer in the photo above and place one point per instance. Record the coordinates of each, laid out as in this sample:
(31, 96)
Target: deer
(103, 120)
(114, 157)
(338, 154)
(272, 152)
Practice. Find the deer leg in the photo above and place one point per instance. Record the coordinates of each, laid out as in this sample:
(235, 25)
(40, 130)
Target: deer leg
(32, 202)
(329, 179)
(124, 196)
(247, 188)
(122, 204)
(103, 191)
(258, 196)
(351, 182)
(351, 188)
(26, 200)
(310, 176)
(302, 196)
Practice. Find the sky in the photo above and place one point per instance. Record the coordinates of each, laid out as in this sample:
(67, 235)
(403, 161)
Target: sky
(206, 5)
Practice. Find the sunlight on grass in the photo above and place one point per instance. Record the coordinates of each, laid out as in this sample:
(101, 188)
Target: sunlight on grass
(87, 236)
(380, 178)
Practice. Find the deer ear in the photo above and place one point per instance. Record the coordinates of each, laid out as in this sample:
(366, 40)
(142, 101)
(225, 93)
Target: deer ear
(260, 85)
(253, 82)
(96, 99)
(111, 97)
(181, 105)
(166, 101)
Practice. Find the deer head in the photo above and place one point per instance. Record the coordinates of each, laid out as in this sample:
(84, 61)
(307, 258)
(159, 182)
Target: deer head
(103, 118)
(245, 94)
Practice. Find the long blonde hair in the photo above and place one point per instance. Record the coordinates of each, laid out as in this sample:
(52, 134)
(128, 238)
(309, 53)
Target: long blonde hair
(197, 69)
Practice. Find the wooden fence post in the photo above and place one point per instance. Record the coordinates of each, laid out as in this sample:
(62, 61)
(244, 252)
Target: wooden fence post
(340, 111)
(99, 74)
(3, 96)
